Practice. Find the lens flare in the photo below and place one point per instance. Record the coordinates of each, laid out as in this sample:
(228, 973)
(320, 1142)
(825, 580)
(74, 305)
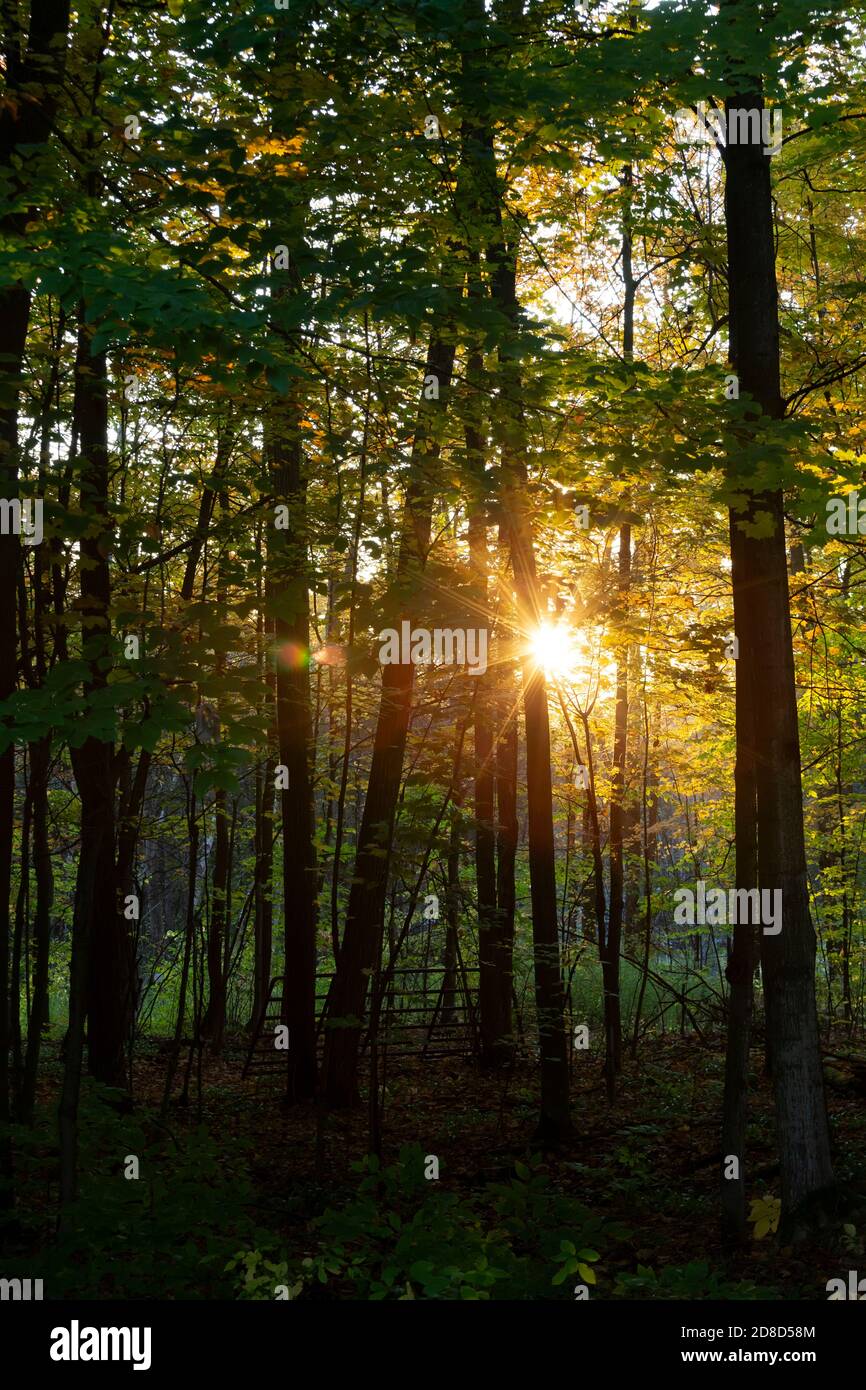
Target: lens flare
(293, 656)
(330, 655)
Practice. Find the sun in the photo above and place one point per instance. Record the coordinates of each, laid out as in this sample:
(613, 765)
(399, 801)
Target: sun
(554, 648)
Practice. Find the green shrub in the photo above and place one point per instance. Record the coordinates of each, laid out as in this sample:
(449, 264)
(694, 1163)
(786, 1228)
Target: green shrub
(402, 1237)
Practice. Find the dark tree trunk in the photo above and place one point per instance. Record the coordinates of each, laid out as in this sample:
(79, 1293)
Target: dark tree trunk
(263, 907)
(19, 945)
(507, 834)
(27, 114)
(98, 972)
(109, 966)
(218, 927)
(128, 830)
(40, 763)
(743, 956)
(610, 940)
(361, 946)
(788, 958)
(263, 835)
(517, 526)
(452, 915)
(495, 1023)
(188, 944)
(40, 758)
(290, 605)
(554, 1120)
(214, 1022)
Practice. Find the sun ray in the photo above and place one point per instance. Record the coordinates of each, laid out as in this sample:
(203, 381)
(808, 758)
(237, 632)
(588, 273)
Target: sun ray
(555, 650)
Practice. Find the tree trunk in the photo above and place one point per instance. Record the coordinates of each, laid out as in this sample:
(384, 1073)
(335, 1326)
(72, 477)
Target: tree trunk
(494, 1023)
(361, 945)
(128, 829)
(448, 996)
(743, 956)
(263, 907)
(554, 1120)
(188, 943)
(19, 945)
(214, 1022)
(290, 605)
(610, 940)
(788, 958)
(27, 117)
(97, 978)
(40, 757)
(507, 833)
(109, 967)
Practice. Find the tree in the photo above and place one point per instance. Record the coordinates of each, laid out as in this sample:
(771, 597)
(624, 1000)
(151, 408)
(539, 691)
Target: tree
(34, 71)
(767, 664)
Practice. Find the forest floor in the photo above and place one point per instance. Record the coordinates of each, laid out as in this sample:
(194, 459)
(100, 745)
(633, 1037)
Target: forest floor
(648, 1162)
(235, 1169)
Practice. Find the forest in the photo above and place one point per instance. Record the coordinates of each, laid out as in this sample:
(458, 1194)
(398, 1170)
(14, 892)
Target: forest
(432, 627)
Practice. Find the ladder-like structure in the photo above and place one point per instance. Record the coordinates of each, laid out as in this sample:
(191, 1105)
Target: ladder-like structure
(262, 1055)
(417, 1017)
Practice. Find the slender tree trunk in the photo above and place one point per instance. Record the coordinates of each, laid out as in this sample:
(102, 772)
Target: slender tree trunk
(507, 834)
(19, 946)
(128, 831)
(495, 1025)
(361, 945)
(40, 757)
(97, 979)
(216, 949)
(844, 947)
(40, 763)
(290, 603)
(109, 966)
(188, 943)
(743, 957)
(554, 1121)
(610, 940)
(263, 908)
(649, 840)
(350, 638)
(263, 835)
(27, 115)
(788, 957)
(452, 913)
(214, 1022)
